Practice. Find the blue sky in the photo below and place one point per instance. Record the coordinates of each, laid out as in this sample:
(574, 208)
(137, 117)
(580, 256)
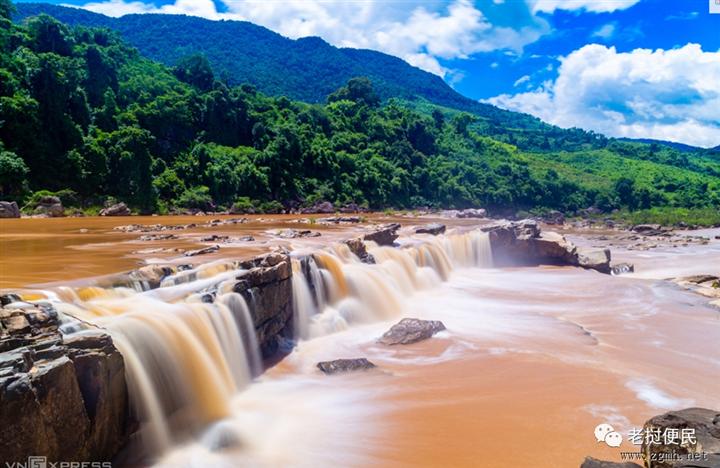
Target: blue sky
(636, 68)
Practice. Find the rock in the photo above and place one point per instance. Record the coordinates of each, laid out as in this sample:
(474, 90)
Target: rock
(118, 209)
(214, 238)
(295, 234)
(352, 208)
(553, 217)
(697, 279)
(706, 426)
(63, 397)
(650, 229)
(50, 206)
(267, 289)
(357, 246)
(203, 251)
(345, 365)
(522, 243)
(411, 330)
(594, 259)
(591, 462)
(472, 213)
(434, 229)
(157, 237)
(340, 219)
(320, 207)
(9, 210)
(152, 275)
(622, 268)
(384, 235)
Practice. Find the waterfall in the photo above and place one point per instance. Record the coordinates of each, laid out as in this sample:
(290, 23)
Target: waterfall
(190, 344)
(349, 291)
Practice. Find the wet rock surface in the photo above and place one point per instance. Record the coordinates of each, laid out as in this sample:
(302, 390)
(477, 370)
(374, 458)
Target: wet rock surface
(384, 235)
(433, 228)
(9, 210)
(705, 426)
(117, 209)
(622, 268)
(472, 213)
(357, 246)
(411, 330)
(345, 365)
(203, 251)
(50, 206)
(523, 243)
(295, 233)
(267, 290)
(63, 397)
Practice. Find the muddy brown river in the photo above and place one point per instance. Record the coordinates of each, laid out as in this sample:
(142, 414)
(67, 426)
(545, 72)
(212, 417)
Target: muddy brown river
(533, 358)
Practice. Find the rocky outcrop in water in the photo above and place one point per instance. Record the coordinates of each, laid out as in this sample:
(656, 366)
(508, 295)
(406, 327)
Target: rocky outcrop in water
(522, 243)
(433, 228)
(345, 365)
(622, 268)
(472, 213)
(9, 210)
(118, 209)
(705, 426)
(357, 246)
(50, 206)
(63, 397)
(267, 290)
(203, 251)
(411, 330)
(384, 235)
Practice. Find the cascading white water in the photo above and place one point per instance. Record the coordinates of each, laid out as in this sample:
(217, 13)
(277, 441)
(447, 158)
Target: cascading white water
(185, 357)
(356, 292)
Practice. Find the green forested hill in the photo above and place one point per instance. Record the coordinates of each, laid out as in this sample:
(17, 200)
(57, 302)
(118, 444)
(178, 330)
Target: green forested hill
(307, 69)
(85, 114)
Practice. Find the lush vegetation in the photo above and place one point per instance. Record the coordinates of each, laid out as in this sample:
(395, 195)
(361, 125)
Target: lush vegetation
(85, 114)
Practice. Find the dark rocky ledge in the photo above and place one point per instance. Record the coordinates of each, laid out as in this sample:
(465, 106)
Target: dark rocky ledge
(522, 243)
(61, 397)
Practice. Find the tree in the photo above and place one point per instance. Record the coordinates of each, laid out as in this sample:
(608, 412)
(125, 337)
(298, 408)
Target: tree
(359, 90)
(12, 174)
(196, 71)
(6, 9)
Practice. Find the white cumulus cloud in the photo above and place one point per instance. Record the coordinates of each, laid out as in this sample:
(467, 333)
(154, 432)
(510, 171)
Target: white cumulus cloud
(662, 94)
(595, 6)
(422, 32)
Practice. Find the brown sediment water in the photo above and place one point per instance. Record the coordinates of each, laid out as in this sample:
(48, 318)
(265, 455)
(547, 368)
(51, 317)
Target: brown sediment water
(531, 361)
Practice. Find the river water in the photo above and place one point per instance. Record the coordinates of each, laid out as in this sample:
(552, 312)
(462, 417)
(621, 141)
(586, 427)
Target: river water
(531, 361)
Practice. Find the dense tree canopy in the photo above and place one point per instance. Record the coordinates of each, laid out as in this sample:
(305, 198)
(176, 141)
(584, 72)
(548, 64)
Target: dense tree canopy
(80, 110)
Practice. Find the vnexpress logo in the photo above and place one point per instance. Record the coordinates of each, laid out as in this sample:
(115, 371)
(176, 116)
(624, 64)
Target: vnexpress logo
(715, 6)
(37, 462)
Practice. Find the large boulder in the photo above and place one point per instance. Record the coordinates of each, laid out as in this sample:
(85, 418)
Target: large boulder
(594, 259)
(63, 397)
(267, 289)
(50, 206)
(319, 207)
(433, 228)
(384, 235)
(523, 243)
(117, 209)
(702, 423)
(9, 210)
(411, 330)
(345, 365)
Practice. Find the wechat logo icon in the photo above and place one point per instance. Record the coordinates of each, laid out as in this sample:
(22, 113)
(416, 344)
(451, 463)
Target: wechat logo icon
(605, 433)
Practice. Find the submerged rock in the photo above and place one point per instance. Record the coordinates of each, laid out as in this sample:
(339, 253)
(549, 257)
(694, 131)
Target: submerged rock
(345, 365)
(9, 210)
(411, 330)
(434, 229)
(704, 423)
(206, 250)
(622, 268)
(295, 233)
(698, 279)
(591, 462)
(384, 235)
(118, 209)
